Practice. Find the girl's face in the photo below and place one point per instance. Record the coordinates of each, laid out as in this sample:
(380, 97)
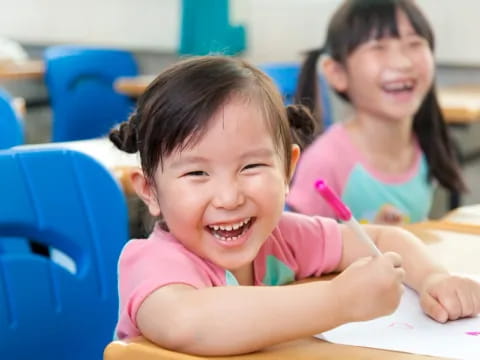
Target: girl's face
(388, 78)
(223, 196)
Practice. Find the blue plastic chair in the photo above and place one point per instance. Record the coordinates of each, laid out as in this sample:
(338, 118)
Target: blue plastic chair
(80, 84)
(11, 134)
(11, 125)
(68, 201)
(285, 76)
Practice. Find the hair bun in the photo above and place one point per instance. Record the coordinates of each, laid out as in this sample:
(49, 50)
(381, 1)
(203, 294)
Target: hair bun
(125, 137)
(302, 124)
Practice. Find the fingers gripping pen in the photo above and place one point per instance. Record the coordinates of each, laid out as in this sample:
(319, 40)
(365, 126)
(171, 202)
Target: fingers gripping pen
(344, 214)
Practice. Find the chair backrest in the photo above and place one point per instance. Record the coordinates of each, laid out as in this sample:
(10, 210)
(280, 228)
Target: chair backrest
(67, 201)
(11, 125)
(80, 84)
(285, 76)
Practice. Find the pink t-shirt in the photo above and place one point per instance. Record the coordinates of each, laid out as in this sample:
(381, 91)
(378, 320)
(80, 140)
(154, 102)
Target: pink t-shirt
(334, 158)
(299, 247)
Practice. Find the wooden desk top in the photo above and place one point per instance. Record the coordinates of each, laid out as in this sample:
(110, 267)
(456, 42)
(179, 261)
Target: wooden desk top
(302, 349)
(442, 245)
(30, 69)
(460, 104)
(465, 219)
(133, 86)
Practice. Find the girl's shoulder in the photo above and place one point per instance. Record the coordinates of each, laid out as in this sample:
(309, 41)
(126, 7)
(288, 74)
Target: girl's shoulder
(160, 246)
(161, 257)
(331, 156)
(295, 227)
(156, 241)
(312, 243)
(333, 142)
(334, 134)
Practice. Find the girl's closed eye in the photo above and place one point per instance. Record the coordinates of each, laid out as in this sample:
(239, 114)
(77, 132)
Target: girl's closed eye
(416, 43)
(376, 45)
(196, 173)
(253, 166)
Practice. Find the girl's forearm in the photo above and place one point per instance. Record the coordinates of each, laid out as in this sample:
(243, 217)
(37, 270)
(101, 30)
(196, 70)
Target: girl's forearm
(418, 264)
(234, 320)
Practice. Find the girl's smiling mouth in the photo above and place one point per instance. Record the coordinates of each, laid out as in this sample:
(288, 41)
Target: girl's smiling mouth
(228, 232)
(398, 87)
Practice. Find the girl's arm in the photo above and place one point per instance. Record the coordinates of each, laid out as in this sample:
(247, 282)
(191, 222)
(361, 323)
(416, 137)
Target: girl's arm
(239, 319)
(442, 296)
(416, 261)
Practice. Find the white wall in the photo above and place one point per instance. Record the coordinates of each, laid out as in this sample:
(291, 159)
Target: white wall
(278, 30)
(281, 29)
(136, 24)
(457, 29)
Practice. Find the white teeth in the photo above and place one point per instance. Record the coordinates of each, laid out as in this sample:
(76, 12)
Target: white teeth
(398, 86)
(226, 239)
(230, 227)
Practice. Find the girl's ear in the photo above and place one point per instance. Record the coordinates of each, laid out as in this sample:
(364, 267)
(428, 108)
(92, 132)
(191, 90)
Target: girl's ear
(293, 160)
(335, 74)
(293, 164)
(145, 191)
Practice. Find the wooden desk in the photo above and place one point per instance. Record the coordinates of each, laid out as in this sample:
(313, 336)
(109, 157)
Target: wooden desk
(465, 219)
(133, 86)
(302, 349)
(30, 69)
(118, 162)
(460, 105)
(442, 244)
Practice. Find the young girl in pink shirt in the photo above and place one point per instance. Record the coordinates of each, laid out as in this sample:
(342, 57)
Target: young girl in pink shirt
(386, 158)
(216, 151)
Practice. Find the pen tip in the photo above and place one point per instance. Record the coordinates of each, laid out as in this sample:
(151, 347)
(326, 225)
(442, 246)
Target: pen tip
(319, 183)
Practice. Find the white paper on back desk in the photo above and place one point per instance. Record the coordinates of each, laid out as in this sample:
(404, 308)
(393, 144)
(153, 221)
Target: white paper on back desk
(408, 329)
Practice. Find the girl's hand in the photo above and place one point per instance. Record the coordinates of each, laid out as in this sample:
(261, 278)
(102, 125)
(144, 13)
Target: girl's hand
(448, 297)
(370, 287)
(389, 215)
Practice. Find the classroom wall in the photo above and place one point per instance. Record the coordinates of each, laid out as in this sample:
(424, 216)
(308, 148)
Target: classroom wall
(134, 24)
(281, 29)
(278, 30)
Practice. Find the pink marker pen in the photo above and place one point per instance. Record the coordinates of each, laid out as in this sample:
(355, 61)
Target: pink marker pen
(344, 214)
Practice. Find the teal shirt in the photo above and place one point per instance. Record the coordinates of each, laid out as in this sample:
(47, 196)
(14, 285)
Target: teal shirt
(366, 195)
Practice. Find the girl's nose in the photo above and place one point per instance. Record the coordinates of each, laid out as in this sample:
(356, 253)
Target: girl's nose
(400, 58)
(228, 196)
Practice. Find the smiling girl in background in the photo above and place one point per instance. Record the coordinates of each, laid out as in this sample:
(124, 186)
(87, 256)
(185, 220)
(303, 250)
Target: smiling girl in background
(385, 159)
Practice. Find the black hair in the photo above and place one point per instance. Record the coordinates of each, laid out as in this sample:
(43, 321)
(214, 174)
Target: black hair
(175, 109)
(354, 23)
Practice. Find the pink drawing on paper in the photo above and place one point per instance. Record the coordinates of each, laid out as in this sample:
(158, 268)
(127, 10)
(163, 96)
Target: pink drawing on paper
(401, 325)
(473, 333)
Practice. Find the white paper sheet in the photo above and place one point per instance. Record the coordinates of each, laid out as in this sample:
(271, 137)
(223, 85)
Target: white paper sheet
(408, 329)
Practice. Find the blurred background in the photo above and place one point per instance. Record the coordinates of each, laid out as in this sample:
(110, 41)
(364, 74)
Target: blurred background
(158, 32)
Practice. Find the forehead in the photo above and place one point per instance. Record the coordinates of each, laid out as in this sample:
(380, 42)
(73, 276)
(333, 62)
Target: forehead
(237, 125)
(396, 24)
